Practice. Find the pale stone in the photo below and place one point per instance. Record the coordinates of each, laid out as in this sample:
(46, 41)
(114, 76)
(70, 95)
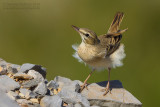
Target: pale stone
(3, 70)
(23, 102)
(34, 82)
(68, 84)
(69, 96)
(13, 95)
(8, 84)
(24, 92)
(41, 89)
(52, 85)
(34, 100)
(27, 66)
(77, 105)
(6, 101)
(13, 68)
(119, 97)
(22, 76)
(51, 101)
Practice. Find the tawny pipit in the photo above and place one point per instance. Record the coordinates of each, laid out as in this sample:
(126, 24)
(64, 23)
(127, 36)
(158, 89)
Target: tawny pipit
(101, 52)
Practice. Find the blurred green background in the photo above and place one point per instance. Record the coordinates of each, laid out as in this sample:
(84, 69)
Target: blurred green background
(38, 31)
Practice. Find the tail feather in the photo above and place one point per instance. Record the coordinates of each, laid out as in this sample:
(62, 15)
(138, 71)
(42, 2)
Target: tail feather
(114, 27)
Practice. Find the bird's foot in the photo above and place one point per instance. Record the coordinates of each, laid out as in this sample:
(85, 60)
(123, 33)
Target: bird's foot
(106, 90)
(84, 86)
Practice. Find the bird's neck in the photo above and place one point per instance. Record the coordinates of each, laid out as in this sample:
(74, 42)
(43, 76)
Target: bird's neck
(91, 42)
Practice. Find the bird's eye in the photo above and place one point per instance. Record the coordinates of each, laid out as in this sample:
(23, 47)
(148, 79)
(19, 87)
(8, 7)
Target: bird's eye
(87, 35)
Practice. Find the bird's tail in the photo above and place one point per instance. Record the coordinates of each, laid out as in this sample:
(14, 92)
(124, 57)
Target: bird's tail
(114, 27)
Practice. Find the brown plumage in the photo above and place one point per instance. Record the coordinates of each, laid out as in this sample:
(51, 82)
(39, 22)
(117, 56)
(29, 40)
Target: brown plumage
(114, 27)
(111, 40)
(104, 51)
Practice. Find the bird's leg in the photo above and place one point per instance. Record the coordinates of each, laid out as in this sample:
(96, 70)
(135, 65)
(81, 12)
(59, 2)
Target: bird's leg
(85, 82)
(108, 84)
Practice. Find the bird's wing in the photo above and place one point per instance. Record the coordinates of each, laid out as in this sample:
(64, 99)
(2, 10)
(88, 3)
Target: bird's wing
(110, 44)
(111, 40)
(114, 27)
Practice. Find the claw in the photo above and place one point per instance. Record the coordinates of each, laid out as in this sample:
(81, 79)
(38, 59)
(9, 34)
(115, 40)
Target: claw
(106, 91)
(84, 86)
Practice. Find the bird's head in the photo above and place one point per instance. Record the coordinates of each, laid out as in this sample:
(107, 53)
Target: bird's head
(88, 36)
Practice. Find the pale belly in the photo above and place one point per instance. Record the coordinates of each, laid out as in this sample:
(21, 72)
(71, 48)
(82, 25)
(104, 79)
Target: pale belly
(100, 63)
(97, 59)
(94, 58)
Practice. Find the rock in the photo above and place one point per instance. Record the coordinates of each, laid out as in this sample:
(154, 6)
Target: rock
(49, 92)
(52, 85)
(77, 105)
(64, 104)
(35, 74)
(45, 81)
(13, 68)
(51, 101)
(31, 95)
(74, 86)
(3, 67)
(62, 79)
(9, 68)
(21, 95)
(119, 97)
(3, 70)
(24, 102)
(70, 105)
(24, 92)
(60, 92)
(28, 103)
(78, 81)
(69, 96)
(34, 105)
(34, 82)
(56, 91)
(34, 100)
(41, 89)
(8, 84)
(3, 62)
(6, 101)
(95, 106)
(22, 76)
(68, 84)
(13, 95)
(27, 66)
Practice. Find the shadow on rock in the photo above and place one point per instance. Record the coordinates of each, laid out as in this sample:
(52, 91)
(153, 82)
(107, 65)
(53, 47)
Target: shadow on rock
(113, 84)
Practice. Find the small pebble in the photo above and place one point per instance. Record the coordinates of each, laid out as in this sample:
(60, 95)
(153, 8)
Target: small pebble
(34, 100)
(22, 76)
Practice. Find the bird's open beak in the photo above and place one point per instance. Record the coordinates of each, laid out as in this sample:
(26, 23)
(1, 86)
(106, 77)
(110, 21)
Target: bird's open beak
(76, 28)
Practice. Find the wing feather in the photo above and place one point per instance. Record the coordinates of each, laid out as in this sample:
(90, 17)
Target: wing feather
(111, 40)
(114, 27)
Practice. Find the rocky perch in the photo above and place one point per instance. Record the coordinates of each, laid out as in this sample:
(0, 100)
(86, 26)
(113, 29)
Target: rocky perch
(27, 86)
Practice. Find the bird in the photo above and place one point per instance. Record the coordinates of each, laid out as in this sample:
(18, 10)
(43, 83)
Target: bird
(102, 52)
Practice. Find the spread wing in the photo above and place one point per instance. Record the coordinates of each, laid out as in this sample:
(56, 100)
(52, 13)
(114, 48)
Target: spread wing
(111, 40)
(114, 27)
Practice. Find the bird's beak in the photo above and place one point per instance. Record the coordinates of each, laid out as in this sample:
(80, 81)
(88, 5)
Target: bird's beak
(76, 28)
